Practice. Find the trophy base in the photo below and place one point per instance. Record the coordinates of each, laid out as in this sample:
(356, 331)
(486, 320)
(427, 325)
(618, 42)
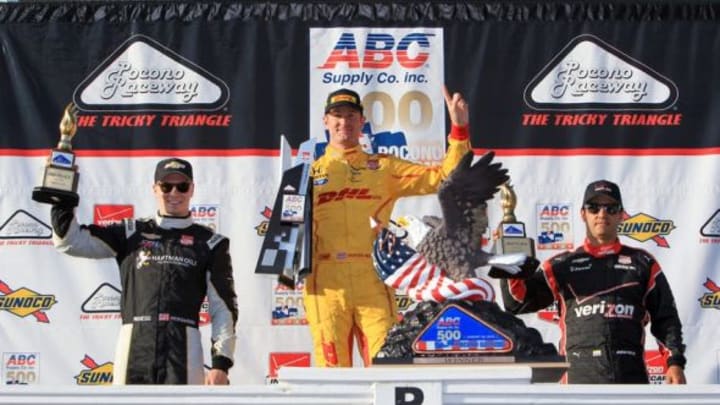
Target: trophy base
(527, 346)
(56, 197)
(545, 369)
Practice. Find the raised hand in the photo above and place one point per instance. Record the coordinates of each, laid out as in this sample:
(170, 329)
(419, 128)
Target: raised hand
(457, 108)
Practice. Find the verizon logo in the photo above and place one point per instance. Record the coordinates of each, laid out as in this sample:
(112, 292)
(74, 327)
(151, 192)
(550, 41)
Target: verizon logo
(111, 214)
(144, 74)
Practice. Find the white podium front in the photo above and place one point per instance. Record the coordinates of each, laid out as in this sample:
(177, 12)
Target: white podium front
(408, 384)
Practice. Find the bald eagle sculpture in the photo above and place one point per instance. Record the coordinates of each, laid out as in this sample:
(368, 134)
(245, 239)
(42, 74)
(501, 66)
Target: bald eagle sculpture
(442, 265)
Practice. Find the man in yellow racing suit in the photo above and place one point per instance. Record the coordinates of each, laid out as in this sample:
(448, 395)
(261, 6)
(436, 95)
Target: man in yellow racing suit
(353, 196)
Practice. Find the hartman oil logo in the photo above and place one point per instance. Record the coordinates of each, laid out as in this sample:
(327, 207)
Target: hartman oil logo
(95, 374)
(710, 299)
(24, 302)
(642, 227)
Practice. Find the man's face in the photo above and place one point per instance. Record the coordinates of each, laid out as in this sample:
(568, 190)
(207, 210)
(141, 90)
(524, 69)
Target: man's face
(602, 215)
(345, 126)
(170, 198)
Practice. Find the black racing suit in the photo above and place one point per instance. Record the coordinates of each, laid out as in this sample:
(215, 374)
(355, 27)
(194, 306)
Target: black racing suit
(606, 295)
(167, 267)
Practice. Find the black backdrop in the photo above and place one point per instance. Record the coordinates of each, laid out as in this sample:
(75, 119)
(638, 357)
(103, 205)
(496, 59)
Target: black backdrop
(492, 51)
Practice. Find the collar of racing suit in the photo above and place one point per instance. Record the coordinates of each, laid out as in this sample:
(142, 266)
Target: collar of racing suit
(351, 155)
(602, 250)
(173, 222)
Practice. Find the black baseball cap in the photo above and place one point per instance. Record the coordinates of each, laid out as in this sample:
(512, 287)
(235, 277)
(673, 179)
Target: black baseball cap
(173, 165)
(343, 97)
(600, 188)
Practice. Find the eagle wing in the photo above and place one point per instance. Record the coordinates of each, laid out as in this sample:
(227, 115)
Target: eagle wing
(467, 188)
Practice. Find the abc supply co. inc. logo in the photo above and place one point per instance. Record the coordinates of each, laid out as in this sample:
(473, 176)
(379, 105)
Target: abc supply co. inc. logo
(94, 374)
(589, 74)
(24, 302)
(143, 75)
(397, 72)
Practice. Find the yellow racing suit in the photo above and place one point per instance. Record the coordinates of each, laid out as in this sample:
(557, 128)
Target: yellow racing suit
(344, 297)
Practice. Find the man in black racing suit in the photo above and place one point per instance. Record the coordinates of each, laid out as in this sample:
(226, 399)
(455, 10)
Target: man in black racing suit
(606, 294)
(168, 265)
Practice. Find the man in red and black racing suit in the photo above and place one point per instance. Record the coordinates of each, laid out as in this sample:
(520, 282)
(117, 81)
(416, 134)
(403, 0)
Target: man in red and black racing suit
(168, 265)
(353, 197)
(606, 293)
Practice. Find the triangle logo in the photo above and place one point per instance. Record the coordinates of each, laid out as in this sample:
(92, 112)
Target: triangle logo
(142, 74)
(457, 330)
(589, 73)
(711, 228)
(106, 298)
(23, 225)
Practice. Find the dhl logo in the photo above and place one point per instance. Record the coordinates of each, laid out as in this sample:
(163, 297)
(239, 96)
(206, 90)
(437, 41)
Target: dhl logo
(380, 51)
(643, 227)
(23, 302)
(95, 374)
(711, 299)
(346, 193)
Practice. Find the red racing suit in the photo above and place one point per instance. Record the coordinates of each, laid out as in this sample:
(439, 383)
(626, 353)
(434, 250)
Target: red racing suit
(606, 295)
(344, 297)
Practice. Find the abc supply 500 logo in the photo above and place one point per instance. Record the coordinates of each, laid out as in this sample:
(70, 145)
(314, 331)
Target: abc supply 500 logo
(20, 368)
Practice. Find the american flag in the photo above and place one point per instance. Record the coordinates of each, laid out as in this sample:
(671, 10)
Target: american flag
(408, 272)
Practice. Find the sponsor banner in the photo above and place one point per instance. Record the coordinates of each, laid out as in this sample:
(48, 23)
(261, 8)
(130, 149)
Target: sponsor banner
(23, 302)
(206, 214)
(398, 73)
(24, 229)
(109, 214)
(711, 298)
(21, 368)
(285, 359)
(102, 304)
(643, 227)
(93, 373)
(554, 226)
(656, 363)
(710, 231)
(288, 305)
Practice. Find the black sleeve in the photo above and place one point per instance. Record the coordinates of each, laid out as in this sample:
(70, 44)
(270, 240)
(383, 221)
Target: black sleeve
(61, 217)
(525, 296)
(665, 323)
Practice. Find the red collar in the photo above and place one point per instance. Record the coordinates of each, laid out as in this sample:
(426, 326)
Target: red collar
(602, 250)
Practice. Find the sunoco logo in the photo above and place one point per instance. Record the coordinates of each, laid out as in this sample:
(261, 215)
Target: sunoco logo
(142, 74)
(95, 374)
(23, 302)
(643, 227)
(710, 299)
(591, 74)
(264, 224)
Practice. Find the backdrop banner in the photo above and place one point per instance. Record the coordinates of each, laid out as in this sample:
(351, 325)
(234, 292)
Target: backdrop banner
(565, 93)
